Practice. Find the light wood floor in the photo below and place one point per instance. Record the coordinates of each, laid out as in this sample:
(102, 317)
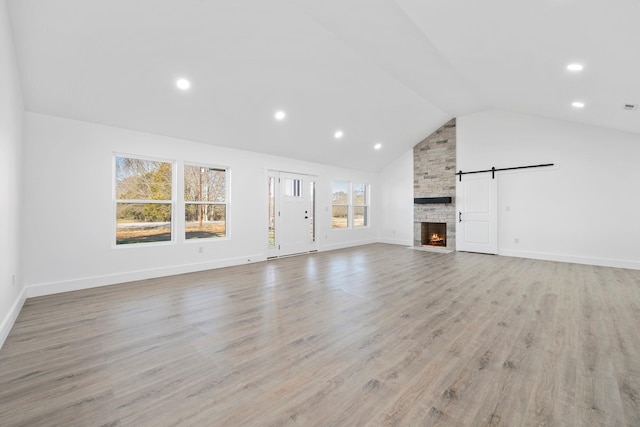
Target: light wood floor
(377, 335)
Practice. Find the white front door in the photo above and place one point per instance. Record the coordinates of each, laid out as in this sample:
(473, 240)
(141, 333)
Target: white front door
(294, 215)
(477, 221)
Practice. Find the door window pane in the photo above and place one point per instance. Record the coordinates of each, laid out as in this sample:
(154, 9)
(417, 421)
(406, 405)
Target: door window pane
(271, 231)
(292, 187)
(312, 210)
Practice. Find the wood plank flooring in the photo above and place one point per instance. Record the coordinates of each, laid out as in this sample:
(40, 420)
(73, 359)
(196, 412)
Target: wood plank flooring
(377, 335)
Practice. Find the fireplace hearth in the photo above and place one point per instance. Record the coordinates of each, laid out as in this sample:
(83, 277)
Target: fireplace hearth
(434, 234)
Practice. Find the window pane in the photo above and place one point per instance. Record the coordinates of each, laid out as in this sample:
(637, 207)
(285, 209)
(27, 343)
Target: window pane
(272, 213)
(339, 217)
(203, 221)
(360, 194)
(143, 223)
(204, 184)
(340, 193)
(138, 179)
(360, 216)
(292, 187)
(312, 210)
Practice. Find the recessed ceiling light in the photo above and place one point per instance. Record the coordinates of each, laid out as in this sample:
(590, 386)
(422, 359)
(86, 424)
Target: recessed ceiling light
(575, 67)
(377, 146)
(577, 104)
(338, 134)
(183, 84)
(280, 115)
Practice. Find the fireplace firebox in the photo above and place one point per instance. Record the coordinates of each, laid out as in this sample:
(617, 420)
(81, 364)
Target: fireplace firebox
(434, 234)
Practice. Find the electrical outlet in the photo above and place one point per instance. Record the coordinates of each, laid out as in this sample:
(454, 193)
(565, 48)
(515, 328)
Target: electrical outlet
(516, 240)
(13, 280)
(200, 250)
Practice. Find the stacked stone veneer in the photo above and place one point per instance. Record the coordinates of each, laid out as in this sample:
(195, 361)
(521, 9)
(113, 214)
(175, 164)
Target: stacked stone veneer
(434, 168)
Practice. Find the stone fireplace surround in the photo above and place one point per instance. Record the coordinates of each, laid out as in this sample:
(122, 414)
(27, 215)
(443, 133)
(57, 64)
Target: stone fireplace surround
(434, 167)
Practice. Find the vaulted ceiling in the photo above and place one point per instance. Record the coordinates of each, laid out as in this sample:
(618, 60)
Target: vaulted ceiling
(382, 71)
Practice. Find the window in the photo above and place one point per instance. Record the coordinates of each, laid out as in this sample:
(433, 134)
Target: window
(360, 205)
(292, 187)
(271, 237)
(312, 210)
(143, 200)
(350, 205)
(205, 202)
(340, 205)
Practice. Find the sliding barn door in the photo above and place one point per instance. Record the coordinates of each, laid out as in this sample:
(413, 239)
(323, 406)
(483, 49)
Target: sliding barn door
(477, 203)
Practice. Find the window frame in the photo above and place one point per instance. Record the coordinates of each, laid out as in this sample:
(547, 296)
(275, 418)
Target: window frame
(116, 201)
(272, 208)
(226, 203)
(297, 190)
(365, 205)
(347, 205)
(351, 206)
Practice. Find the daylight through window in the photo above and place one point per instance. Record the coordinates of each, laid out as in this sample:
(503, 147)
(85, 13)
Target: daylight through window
(340, 204)
(143, 200)
(360, 205)
(205, 202)
(350, 205)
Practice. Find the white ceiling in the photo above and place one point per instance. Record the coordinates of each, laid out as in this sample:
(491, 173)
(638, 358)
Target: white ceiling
(388, 71)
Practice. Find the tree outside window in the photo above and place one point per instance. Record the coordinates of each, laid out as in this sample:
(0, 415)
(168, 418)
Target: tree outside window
(360, 205)
(340, 204)
(205, 196)
(143, 200)
(350, 205)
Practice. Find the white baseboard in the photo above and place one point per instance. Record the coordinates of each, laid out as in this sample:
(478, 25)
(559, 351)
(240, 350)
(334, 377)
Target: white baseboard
(396, 242)
(114, 279)
(12, 315)
(334, 246)
(603, 262)
(41, 289)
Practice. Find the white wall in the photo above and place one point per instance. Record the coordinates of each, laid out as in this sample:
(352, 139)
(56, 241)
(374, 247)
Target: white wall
(69, 212)
(396, 201)
(11, 114)
(584, 210)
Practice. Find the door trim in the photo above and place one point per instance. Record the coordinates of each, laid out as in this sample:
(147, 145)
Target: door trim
(275, 251)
